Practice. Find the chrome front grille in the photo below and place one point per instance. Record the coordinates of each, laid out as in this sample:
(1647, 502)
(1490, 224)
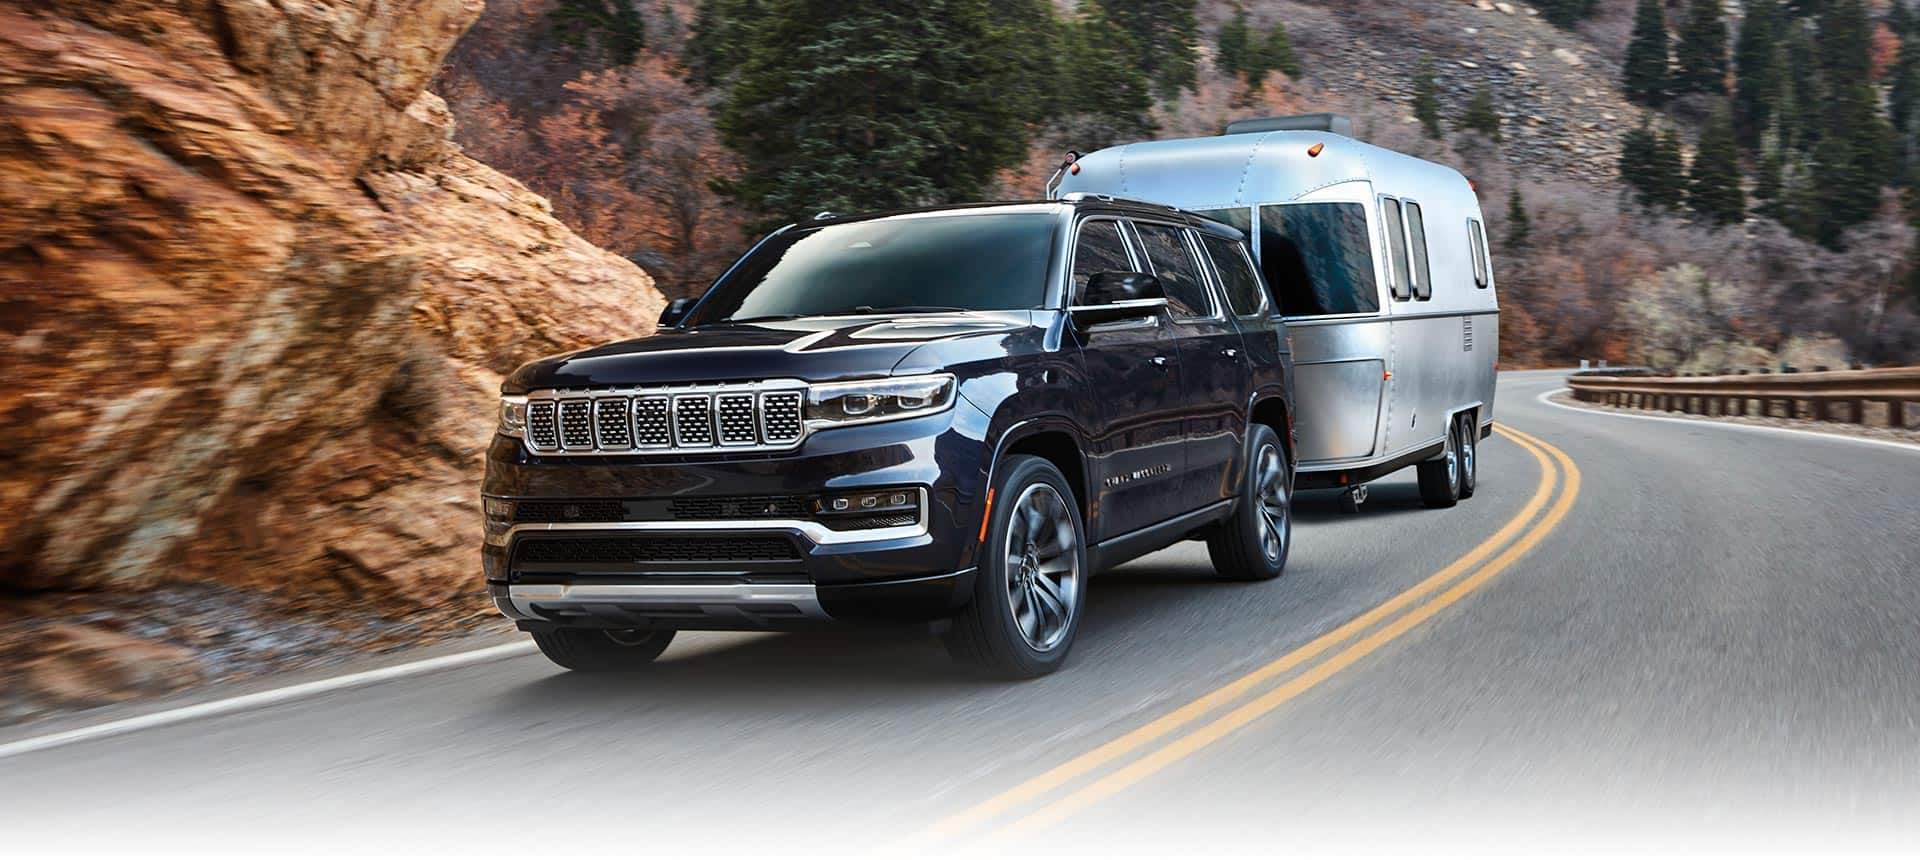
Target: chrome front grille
(765, 416)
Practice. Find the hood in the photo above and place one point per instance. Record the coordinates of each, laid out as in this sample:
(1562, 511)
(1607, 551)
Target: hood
(816, 349)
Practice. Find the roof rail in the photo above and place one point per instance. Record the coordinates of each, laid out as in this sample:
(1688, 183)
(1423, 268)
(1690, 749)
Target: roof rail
(1328, 122)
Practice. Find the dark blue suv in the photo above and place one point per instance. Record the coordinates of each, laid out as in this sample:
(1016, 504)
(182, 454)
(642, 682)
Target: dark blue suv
(952, 415)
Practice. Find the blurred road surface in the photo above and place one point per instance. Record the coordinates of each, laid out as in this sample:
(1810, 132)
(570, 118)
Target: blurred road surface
(1639, 635)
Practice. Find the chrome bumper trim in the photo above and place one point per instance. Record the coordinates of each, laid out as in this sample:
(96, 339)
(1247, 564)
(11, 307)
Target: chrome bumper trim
(819, 534)
(724, 596)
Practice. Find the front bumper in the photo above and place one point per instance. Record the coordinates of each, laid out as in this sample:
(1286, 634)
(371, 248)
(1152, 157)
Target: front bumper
(915, 572)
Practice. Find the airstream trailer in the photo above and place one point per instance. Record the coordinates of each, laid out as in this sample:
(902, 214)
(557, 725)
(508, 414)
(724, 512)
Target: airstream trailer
(1378, 262)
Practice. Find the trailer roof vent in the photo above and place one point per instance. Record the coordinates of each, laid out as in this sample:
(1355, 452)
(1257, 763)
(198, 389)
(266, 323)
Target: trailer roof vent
(1328, 122)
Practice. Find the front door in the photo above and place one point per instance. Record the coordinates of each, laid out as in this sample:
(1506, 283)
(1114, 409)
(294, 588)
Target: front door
(1133, 368)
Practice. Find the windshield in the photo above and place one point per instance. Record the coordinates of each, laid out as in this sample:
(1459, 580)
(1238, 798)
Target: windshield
(947, 262)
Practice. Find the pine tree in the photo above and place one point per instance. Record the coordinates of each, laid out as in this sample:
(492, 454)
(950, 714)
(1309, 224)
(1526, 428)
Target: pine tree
(1667, 173)
(1702, 52)
(1769, 182)
(1800, 89)
(1276, 52)
(1645, 74)
(612, 31)
(1758, 80)
(1233, 49)
(1714, 189)
(1166, 31)
(1426, 99)
(1481, 115)
(1112, 102)
(1854, 155)
(880, 105)
(1564, 13)
(1519, 223)
(718, 34)
(1903, 96)
(1638, 151)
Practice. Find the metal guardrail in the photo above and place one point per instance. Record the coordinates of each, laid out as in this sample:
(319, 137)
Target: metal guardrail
(1840, 395)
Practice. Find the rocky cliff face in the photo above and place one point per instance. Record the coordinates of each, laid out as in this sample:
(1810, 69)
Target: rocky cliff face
(256, 305)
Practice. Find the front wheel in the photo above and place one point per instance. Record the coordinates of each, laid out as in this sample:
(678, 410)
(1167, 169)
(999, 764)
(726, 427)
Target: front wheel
(1031, 585)
(1253, 543)
(586, 650)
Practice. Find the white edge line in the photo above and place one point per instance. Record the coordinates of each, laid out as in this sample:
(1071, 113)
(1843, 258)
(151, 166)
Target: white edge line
(262, 699)
(1545, 397)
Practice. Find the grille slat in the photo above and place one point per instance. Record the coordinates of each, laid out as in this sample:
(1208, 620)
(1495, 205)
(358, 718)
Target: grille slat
(576, 425)
(654, 549)
(724, 418)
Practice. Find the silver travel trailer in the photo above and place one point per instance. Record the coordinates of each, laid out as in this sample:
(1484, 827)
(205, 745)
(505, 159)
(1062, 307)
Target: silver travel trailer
(1378, 261)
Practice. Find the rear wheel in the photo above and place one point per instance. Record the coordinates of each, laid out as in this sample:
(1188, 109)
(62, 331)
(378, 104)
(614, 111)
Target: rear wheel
(1469, 455)
(1440, 479)
(1253, 544)
(585, 650)
(1031, 584)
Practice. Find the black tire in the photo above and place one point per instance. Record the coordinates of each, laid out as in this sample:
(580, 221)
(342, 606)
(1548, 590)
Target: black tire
(1013, 628)
(1469, 455)
(1440, 479)
(587, 650)
(1253, 544)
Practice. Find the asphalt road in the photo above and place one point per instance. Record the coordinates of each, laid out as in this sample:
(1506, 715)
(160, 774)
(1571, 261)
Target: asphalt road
(1639, 635)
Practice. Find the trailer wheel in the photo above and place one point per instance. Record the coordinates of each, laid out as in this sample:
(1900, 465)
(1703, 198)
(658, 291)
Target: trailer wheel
(1440, 479)
(1469, 455)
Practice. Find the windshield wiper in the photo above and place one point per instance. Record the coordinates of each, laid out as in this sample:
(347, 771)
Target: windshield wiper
(868, 310)
(767, 318)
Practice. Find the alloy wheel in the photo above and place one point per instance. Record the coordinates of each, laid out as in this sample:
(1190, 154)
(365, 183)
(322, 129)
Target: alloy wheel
(1274, 495)
(1043, 567)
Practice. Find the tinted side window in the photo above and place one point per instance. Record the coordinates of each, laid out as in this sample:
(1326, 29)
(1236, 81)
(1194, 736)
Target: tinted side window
(1422, 268)
(1242, 288)
(1240, 217)
(1401, 279)
(1100, 250)
(1178, 272)
(1478, 238)
(1318, 258)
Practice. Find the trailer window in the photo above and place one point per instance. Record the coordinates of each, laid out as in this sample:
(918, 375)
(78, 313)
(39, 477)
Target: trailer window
(1172, 262)
(1397, 275)
(1100, 249)
(1236, 277)
(1318, 259)
(1422, 268)
(1477, 237)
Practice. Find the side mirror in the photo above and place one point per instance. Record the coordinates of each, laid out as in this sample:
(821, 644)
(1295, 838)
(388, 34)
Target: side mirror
(1116, 296)
(674, 312)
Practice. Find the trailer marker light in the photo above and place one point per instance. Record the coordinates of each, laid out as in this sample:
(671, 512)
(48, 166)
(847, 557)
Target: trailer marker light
(1315, 150)
(1387, 375)
(1075, 169)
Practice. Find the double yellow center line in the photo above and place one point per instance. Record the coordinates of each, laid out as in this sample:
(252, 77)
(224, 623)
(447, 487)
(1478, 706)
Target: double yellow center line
(1075, 785)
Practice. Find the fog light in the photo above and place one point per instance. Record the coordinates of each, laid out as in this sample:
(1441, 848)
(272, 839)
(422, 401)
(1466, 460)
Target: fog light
(869, 503)
(499, 518)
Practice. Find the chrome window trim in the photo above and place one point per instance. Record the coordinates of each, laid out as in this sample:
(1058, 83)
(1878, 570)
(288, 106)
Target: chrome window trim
(813, 531)
(635, 395)
(1214, 314)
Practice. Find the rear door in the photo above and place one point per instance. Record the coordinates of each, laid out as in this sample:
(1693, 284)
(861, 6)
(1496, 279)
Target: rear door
(1214, 379)
(1137, 454)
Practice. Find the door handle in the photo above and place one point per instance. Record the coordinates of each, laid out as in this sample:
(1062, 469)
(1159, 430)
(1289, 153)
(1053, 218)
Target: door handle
(1230, 352)
(1158, 361)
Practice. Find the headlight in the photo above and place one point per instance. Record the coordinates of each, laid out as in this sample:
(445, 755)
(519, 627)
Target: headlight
(838, 404)
(513, 417)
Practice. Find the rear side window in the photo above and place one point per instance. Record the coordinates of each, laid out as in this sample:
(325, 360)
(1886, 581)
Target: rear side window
(1422, 267)
(1100, 249)
(1236, 276)
(1318, 259)
(1179, 273)
(1400, 280)
(1477, 236)
(1240, 217)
